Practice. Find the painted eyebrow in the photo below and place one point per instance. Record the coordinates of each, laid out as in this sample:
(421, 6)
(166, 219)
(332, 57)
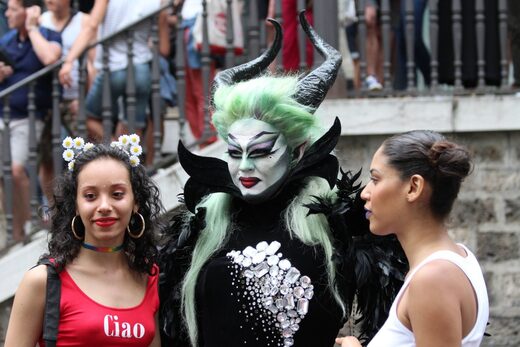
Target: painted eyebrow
(374, 170)
(265, 143)
(233, 140)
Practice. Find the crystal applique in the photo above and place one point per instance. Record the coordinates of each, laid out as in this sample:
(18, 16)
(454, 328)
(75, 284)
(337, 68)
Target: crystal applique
(275, 286)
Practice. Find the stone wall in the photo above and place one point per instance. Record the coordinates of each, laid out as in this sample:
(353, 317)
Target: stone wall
(486, 218)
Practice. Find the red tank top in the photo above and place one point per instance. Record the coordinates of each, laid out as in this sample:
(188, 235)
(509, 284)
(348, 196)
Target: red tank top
(84, 322)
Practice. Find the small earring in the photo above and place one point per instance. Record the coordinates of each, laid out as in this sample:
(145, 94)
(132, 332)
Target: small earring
(141, 232)
(74, 229)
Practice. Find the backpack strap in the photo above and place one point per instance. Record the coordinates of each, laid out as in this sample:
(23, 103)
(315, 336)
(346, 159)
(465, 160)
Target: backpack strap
(51, 317)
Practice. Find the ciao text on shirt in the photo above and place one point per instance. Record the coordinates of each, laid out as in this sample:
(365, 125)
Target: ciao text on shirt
(114, 328)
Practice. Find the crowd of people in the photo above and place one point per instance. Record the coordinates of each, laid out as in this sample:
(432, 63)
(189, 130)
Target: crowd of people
(421, 50)
(275, 243)
(38, 39)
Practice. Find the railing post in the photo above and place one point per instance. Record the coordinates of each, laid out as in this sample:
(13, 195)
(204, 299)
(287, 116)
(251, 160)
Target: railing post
(502, 16)
(385, 28)
(31, 160)
(181, 78)
(434, 43)
(480, 26)
(106, 103)
(253, 34)
(82, 83)
(230, 47)
(302, 38)
(130, 82)
(7, 171)
(205, 69)
(156, 93)
(278, 17)
(362, 35)
(57, 160)
(410, 45)
(457, 43)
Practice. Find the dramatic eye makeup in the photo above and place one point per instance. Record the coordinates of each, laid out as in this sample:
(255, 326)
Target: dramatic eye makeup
(260, 145)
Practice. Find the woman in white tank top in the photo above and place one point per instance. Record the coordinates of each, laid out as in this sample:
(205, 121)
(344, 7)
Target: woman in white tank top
(415, 178)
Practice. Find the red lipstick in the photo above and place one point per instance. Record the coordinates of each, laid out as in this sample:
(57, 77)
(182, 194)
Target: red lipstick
(249, 182)
(105, 222)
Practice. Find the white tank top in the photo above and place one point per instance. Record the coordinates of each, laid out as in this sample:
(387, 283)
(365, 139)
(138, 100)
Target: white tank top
(120, 13)
(68, 36)
(394, 333)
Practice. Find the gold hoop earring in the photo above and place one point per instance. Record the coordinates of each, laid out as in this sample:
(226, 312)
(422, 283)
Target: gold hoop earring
(141, 232)
(74, 229)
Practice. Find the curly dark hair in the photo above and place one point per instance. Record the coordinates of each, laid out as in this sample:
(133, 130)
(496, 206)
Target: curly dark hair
(64, 247)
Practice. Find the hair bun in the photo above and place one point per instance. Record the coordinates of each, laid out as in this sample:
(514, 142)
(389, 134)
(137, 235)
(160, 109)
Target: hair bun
(449, 159)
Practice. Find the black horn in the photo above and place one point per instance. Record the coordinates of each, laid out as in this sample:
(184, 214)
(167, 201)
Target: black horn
(252, 68)
(312, 89)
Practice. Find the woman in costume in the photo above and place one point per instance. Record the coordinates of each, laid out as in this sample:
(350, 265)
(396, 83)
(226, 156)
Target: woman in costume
(267, 254)
(102, 251)
(415, 178)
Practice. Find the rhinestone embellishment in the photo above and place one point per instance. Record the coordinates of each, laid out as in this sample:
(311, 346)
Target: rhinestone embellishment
(274, 286)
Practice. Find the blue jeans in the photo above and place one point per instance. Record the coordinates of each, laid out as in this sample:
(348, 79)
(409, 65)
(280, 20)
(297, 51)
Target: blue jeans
(118, 83)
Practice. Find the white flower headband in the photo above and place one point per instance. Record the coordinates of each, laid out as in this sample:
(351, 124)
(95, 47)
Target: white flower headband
(127, 143)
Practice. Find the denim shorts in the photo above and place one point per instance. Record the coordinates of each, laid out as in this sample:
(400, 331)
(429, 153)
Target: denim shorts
(118, 84)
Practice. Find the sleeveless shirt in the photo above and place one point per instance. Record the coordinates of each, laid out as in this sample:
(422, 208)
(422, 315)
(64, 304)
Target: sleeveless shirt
(68, 36)
(395, 333)
(120, 13)
(84, 322)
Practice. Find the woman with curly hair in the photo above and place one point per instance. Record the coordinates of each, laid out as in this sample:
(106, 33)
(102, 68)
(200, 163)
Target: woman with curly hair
(103, 248)
(266, 253)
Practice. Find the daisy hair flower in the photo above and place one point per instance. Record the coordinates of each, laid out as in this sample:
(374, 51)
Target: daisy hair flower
(67, 142)
(134, 160)
(129, 144)
(134, 139)
(68, 155)
(79, 143)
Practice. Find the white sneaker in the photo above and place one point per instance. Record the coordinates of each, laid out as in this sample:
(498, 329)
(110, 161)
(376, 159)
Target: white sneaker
(372, 84)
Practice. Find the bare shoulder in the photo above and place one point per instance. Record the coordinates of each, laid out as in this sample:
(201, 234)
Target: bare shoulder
(440, 280)
(36, 277)
(437, 273)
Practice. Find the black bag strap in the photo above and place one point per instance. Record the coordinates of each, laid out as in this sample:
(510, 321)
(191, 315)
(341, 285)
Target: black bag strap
(51, 317)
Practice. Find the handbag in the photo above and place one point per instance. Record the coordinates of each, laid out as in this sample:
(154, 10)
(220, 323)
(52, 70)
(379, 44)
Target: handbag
(217, 27)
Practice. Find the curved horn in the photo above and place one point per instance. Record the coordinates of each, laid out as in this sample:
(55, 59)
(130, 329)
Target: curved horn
(312, 89)
(252, 68)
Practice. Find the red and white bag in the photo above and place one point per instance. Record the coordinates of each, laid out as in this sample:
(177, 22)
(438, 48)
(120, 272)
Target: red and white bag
(217, 26)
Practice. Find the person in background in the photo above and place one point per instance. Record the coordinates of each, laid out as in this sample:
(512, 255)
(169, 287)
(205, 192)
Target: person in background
(102, 245)
(415, 179)
(29, 48)
(61, 18)
(290, 51)
(373, 47)
(4, 27)
(109, 17)
(194, 102)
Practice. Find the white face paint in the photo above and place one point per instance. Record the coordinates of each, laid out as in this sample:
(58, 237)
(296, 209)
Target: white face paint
(258, 158)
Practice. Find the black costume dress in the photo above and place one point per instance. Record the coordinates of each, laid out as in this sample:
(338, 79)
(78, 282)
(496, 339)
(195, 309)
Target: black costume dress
(265, 287)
